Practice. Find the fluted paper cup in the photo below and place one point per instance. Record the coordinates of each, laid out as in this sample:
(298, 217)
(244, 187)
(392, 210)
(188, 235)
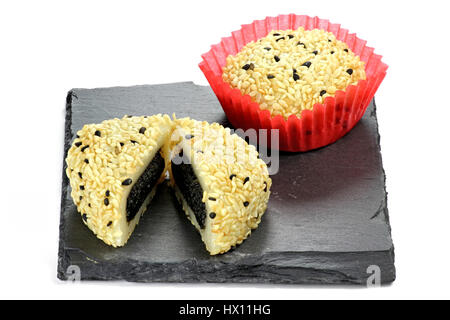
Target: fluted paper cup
(327, 121)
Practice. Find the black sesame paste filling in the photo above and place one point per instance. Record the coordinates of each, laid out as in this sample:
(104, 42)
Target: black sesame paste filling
(144, 185)
(192, 191)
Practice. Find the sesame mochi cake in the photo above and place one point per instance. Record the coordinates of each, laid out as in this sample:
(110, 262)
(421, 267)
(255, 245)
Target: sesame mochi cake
(220, 182)
(289, 71)
(114, 168)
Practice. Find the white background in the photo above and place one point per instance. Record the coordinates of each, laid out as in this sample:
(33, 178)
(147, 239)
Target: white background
(49, 47)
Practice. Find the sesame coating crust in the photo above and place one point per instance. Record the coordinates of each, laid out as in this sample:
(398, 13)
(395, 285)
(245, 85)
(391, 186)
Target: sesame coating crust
(235, 182)
(104, 161)
(289, 71)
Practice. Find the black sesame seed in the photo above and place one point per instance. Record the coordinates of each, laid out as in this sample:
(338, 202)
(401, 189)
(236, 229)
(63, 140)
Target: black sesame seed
(346, 50)
(212, 215)
(282, 38)
(276, 34)
(122, 144)
(188, 136)
(307, 64)
(332, 52)
(127, 182)
(315, 52)
(270, 76)
(85, 217)
(277, 58)
(86, 160)
(329, 40)
(248, 66)
(212, 199)
(106, 201)
(89, 205)
(296, 77)
(107, 193)
(295, 70)
(301, 44)
(350, 71)
(80, 175)
(265, 188)
(247, 179)
(268, 48)
(78, 137)
(246, 203)
(200, 151)
(109, 224)
(81, 198)
(81, 187)
(290, 36)
(84, 148)
(323, 92)
(130, 116)
(232, 176)
(77, 144)
(98, 133)
(133, 141)
(142, 130)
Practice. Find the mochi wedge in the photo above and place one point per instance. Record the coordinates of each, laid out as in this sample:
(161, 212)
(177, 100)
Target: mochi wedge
(219, 181)
(114, 168)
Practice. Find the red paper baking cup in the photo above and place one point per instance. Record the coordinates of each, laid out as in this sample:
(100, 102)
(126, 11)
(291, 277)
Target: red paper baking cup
(326, 122)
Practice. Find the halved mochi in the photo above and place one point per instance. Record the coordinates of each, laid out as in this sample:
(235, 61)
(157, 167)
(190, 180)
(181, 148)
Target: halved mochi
(220, 182)
(114, 168)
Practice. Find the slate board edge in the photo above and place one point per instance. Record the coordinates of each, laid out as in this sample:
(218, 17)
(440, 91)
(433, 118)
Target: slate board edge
(307, 275)
(62, 254)
(299, 270)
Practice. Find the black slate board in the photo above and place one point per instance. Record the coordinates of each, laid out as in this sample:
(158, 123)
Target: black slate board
(326, 223)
